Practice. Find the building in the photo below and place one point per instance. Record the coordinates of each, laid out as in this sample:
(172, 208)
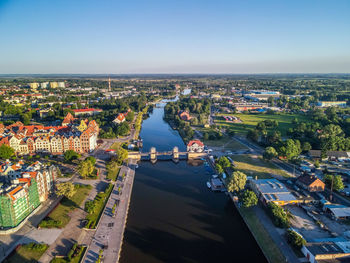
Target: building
(195, 146)
(310, 183)
(331, 104)
(23, 189)
(331, 155)
(53, 85)
(337, 211)
(85, 112)
(327, 251)
(34, 85)
(61, 84)
(79, 137)
(272, 190)
(44, 85)
(185, 116)
(120, 118)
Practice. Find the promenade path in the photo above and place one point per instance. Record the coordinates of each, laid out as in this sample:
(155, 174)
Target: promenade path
(110, 231)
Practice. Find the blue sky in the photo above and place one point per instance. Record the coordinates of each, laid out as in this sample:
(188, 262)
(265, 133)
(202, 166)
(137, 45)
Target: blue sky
(174, 36)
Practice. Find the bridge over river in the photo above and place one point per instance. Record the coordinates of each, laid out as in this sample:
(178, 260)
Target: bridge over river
(174, 154)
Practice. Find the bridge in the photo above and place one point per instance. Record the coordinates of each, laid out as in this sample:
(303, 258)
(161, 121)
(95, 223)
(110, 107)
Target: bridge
(174, 155)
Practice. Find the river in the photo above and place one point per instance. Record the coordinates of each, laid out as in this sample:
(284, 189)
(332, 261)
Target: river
(173, 217)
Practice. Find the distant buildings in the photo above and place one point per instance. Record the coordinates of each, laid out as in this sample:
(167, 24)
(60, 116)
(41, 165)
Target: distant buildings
(121, 117)
(80, 137)
(195, 146)
(84, 112)
(310, 183)
(272, 190)
(327, 251)
(185, 116)
(22, 189)
(331, 104)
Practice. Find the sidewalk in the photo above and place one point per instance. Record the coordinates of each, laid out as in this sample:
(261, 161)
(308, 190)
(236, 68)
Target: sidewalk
(110, 231)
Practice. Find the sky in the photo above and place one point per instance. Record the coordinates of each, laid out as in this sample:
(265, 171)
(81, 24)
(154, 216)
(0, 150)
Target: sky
(174, 36)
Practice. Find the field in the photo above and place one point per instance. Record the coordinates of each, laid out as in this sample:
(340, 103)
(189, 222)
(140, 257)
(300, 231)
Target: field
(249, 121)
(256, 166)
(270, 249)
(60, 213)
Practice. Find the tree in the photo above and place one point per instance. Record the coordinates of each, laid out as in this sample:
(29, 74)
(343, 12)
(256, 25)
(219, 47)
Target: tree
(249, 199)
(337, 181)
(290, 149)
(130, 116)
(86, 168)
(236, 182)
(91, 159)
(6, 152)
(270, 153)
(70, 155)
(295, 239)
(306, 147)
(122, 154)
(224, 162)
(219, 168)
(66, 189)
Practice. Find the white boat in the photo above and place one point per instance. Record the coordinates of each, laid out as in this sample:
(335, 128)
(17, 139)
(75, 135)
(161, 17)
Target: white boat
(214, 176)
(137, 166)
(209, 185)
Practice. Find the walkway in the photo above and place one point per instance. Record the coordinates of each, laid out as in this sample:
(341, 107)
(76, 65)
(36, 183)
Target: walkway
(277, 237)
(112, 225)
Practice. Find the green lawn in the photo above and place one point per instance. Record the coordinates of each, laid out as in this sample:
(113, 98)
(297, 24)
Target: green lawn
(249, 121)
(60, 214)
(270, 249)
(112, 173)
(99, 204)
(116, 145)
(256, 166)
(27, 253)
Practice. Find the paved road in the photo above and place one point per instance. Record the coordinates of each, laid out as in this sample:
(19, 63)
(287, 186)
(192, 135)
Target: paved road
(110, 231)
(280, 241)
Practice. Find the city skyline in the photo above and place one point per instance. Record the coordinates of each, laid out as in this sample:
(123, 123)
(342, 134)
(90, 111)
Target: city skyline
(139, 37)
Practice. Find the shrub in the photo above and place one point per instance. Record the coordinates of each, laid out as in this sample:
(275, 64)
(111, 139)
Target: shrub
(295, 239)
(279, 216)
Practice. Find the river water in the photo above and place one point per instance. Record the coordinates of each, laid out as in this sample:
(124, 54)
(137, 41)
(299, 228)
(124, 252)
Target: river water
(173, 217)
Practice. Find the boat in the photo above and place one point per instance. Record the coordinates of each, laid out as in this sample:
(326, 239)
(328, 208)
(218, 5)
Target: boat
(214, 176)
(137, 166)
(209, 185)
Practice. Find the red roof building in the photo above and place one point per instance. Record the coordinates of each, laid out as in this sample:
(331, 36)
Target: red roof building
(195, 146)
(91, 111)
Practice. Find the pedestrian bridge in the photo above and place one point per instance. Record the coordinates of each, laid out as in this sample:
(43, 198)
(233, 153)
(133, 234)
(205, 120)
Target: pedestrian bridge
(174, 154)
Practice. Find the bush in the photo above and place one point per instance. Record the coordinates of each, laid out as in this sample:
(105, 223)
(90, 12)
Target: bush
(296, 240)
(50, 223)
(279, 216)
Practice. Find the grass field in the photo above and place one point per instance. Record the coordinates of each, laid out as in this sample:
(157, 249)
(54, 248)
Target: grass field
(116, 145)
(26, 254)
(263, 238)
(249, 121)
(60, 213)
(256, 166)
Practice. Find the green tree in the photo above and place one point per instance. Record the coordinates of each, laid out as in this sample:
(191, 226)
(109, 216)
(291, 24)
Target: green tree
(70, 155)
(337, 181)
(66, 189)
(236, 182)
(85, 168)
(295, 239)
(219, 168)
(6, 152)
(122, 154)
(91, 159)
(249, 199)
(270, 153)
(224, 162)
(306, 147)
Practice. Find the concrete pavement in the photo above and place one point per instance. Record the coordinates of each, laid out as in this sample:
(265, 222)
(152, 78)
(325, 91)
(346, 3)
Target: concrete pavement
(109, 233)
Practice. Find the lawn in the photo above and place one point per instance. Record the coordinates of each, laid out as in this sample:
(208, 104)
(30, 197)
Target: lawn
(270, 249)
(59, 216)
(256, 166)
(249, 121)
(116, 145)
(112, 173)
(99, 205)
(27, 253)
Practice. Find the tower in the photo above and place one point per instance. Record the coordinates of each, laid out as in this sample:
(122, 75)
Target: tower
(109, 84)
